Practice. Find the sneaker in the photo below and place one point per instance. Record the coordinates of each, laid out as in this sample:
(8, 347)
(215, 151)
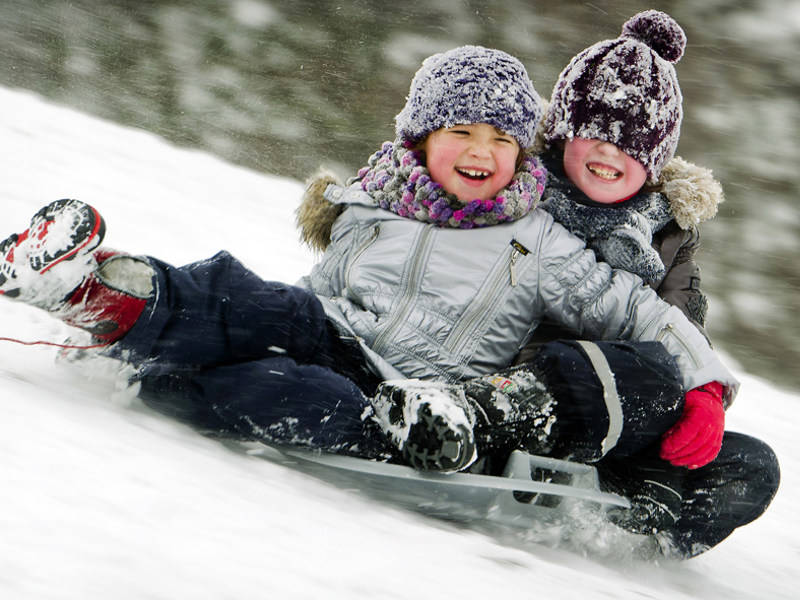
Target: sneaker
(62, 233)
(431, 423)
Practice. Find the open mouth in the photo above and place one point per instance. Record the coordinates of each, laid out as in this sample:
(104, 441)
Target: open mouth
(604, 172)
(474, 174)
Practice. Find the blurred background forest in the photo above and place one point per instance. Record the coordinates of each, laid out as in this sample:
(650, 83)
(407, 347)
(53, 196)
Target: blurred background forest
(283, 87)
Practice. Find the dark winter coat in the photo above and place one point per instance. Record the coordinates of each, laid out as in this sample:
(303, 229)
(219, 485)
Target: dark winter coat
(692, 196)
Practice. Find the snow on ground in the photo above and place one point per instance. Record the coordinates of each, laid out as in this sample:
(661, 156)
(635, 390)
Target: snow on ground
(102, 498)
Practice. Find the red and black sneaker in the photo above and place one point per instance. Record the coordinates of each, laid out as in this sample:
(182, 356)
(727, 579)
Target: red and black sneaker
(109, 301)
(63, 232)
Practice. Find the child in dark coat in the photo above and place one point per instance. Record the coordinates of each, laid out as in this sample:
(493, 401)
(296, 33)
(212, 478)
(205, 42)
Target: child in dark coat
(612, 127)
(611, 130)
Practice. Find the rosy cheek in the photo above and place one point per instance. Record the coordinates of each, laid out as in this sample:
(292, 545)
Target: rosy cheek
(508, 173)
(437, 167)
(636, 172)
(572, 169)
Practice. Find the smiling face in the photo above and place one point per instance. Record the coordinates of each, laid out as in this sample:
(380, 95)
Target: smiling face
(602, 171)
(472, 162)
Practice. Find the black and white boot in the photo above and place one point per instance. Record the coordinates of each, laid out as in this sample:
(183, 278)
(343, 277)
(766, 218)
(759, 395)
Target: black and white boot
(431, 423)
(446, 427)
(517, 412)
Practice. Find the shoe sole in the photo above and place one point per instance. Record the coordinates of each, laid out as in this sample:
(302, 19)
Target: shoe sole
(88, 230)
(432, 445)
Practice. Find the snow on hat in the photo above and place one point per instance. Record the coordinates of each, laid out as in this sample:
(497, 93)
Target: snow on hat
(625, 91)
(470, 84)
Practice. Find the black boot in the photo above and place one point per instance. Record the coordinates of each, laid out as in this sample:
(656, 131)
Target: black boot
(445, 427)
(430, 422)
(515, 411)
(654, 488)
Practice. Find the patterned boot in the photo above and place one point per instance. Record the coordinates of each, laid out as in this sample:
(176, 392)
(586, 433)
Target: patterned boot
(431, 423)
(63, 235)
(517, 412)
(55, 265)
(445, 427)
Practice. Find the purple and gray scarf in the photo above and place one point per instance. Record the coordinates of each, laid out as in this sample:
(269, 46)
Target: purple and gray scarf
(397, 179)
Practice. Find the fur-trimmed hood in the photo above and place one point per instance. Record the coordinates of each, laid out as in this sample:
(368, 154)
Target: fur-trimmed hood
(693, 194)
(315, 215)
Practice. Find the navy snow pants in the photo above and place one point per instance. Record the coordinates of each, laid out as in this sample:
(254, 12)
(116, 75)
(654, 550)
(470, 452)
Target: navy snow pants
(222, 349)
(229, 353)
(729, 492)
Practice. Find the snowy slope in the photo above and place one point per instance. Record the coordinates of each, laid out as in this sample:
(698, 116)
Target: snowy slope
(102, 498)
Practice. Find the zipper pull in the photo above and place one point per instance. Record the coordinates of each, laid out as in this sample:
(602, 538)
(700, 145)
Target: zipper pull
(664, 331)
(519, 250)
(513, 266)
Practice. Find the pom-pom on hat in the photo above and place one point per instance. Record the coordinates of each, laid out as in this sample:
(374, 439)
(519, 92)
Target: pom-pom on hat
(625, 91)
(470, 84)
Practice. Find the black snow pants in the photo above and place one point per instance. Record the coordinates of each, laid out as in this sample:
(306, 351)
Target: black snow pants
(232, 354)
(639, 383)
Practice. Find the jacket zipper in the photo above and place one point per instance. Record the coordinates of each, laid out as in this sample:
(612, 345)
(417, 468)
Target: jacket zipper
(405, 305)
(376, 229)
(519, 250)
(488, 298)
(670, 329)
(515, 254)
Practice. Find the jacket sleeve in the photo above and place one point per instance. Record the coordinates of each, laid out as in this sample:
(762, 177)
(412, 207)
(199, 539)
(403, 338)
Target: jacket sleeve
(595, 300)
(680, 286)
(681, 283)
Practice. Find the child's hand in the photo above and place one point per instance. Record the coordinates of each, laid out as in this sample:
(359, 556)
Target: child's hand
(695, 440)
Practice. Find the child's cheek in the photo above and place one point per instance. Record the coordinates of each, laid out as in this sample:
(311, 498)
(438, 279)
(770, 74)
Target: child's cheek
(506, 168)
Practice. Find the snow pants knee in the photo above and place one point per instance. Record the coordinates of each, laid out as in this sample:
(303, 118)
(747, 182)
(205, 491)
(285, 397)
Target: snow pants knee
(732, 490)
(228, 352)
(616, 399)
(613, 398)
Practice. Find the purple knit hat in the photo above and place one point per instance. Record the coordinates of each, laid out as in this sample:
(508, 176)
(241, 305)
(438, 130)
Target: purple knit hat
(625, 91)
(470, 84)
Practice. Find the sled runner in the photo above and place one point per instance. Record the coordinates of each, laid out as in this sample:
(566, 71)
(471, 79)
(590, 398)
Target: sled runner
(531, 489)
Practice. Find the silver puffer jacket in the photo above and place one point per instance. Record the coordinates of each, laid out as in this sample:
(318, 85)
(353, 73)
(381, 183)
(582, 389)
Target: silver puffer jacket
(452, 304)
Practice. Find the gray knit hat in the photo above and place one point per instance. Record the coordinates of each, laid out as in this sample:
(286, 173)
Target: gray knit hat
(625, 91)
(470, 84)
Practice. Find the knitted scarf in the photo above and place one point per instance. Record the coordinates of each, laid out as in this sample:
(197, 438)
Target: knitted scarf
(398, 181)
(620, 234)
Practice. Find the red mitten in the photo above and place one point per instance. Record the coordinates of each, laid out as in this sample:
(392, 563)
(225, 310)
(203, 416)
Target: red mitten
(695, 440)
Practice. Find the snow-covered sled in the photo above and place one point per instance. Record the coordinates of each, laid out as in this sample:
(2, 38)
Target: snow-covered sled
(531, 490)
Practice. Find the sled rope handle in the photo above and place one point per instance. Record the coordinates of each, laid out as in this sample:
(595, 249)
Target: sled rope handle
(44, 343)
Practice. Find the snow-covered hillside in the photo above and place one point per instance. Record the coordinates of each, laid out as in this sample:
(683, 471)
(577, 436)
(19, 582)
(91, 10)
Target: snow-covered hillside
(102, 498)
